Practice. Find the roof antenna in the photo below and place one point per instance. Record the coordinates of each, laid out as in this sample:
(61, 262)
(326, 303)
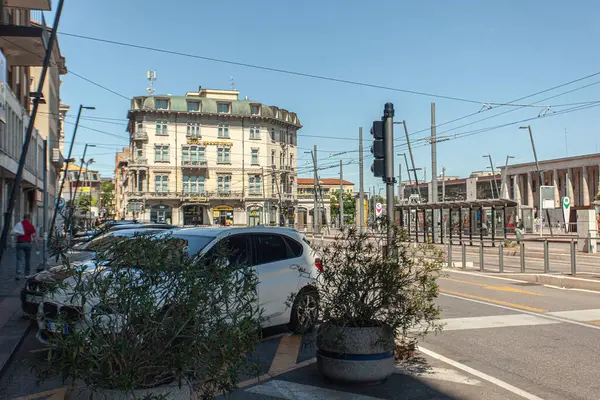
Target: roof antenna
(151, 75)
(232, 79)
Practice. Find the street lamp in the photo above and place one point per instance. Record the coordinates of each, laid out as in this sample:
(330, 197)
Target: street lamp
(541, 181)
(66, 168)
(489, 156)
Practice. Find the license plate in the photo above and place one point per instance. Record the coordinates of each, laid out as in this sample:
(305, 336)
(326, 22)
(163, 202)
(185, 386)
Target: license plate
(56, 327)
(32, 298)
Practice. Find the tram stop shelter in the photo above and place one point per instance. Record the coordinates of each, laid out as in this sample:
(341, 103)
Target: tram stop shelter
(458, 221)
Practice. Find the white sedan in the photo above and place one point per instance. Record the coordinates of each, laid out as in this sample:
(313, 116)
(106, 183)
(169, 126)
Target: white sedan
(277, 254)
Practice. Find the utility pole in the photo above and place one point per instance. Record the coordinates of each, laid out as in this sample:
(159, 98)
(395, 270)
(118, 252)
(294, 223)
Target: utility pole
(361, 189)
(400, 191)
(66, 168)
(434, 182)
(316, 222)
(412, 159)
(74, 193)
(341, 196)
(489, 156)
(45, 210)
(29, 133)
(443, 184)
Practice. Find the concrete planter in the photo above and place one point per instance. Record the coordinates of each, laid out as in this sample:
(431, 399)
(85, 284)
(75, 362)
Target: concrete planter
(355, 355)
(171, 392)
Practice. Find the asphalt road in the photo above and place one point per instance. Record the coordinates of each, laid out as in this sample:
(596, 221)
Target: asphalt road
(541, 340)
(503, 339)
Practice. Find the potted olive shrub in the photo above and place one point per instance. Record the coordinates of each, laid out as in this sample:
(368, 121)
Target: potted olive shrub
(153, 322)
(375, 302)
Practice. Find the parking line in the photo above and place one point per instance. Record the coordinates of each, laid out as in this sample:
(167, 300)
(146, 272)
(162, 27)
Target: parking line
(500, 302)
(287, 353)
(56, 394)
(492, 287)
(481, 375)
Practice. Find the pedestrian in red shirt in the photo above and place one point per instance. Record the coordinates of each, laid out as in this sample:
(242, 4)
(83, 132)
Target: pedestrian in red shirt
(24, 243)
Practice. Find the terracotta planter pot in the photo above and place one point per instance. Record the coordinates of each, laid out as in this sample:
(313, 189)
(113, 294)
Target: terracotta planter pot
(355, 355)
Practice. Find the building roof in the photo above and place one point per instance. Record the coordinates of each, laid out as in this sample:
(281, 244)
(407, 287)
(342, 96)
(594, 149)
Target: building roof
(323, 181)
(75, 167)
(554, 160)
(239, 108)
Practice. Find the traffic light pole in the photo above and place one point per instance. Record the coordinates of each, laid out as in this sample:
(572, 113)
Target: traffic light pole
(388, 143)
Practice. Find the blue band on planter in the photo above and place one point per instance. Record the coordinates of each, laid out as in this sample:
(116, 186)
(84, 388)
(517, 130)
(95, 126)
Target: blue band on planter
(356, 357)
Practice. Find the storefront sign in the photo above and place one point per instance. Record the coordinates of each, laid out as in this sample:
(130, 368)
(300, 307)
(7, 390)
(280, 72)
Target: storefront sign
(85, 189)
(223, 208)
(217, 143)
(198, 200)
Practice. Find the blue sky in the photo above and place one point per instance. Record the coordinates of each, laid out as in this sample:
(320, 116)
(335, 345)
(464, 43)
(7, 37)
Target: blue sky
(481, 51)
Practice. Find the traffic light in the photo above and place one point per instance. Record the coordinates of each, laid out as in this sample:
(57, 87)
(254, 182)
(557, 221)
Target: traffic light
(378, 149)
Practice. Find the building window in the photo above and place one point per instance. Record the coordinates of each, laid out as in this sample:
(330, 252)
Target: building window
(281, 160)
(254, 132)
(161, 127)
(161, 153)
(224, 183)
(276, 135)
(273, 185)
(139, 126)
(161, 183)
(255, 183)
(192, 153)
(292, 160)
(254, 159)
(193, 106)
(223, 108)
(193, 184)
(139, 150)
(223, 130)
(255, 109)
(273, 157)
(161, 104)
(193, 130)
(223, 155)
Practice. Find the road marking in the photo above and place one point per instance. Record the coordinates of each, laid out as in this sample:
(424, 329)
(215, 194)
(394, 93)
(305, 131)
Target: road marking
(440, 374)
(579, 315)
(481, 375)
(287, 353)
(55, 394)
(543, 315)
(297, 391)
(494, 321)
(593, 322)
(500, 302)
(499, 288)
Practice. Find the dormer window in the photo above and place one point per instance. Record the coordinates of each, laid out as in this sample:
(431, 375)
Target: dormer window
(223, 108)
(193, 106)
(254, 109)
(161, 104)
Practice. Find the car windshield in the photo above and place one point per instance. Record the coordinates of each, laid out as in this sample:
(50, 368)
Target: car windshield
(195, 243)
(103, 242)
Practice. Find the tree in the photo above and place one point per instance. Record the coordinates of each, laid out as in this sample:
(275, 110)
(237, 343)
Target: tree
(85, 202)
(349, 206)
(108, 194)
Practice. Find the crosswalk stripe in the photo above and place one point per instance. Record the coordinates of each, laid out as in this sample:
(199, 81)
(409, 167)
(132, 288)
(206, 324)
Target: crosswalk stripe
(440, 374)
(494, 321)
(297, 391)
(579, 315)
(287, 353)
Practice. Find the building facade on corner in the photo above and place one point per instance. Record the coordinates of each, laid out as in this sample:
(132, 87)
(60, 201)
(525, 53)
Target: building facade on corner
(209, 158)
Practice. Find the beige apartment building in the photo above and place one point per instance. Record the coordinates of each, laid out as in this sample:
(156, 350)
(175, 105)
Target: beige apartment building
(306, 199)
(121, 181)
(23, 39)
(209, 158)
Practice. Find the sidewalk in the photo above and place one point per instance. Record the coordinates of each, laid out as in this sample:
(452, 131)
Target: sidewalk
(13, 327)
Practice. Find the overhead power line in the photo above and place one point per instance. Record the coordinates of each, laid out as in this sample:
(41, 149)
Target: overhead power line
(271, 69)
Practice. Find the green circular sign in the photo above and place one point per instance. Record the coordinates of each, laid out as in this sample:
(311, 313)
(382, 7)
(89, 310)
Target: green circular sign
(566, 202)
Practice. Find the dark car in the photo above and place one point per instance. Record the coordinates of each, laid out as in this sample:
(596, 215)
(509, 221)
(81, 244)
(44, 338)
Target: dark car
(81, 256)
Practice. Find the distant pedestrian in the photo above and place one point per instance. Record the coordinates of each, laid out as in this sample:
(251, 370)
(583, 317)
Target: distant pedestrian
(24, 244)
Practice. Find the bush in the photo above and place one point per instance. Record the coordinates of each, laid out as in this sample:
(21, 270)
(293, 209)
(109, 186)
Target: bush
(368, 282)
(152, 315)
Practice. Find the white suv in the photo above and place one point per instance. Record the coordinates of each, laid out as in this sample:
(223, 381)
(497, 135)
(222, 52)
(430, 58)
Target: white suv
(277, 254)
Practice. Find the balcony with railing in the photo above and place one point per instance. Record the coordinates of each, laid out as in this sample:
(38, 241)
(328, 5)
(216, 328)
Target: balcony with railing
(194, 163)
(140, 136)
(57, 158)
(226, 194)
(135, 195)
(138, 162)
(43, 5)
(24, 43)
(163, 195)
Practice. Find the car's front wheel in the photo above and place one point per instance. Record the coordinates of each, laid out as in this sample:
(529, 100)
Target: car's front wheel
(305, 311)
